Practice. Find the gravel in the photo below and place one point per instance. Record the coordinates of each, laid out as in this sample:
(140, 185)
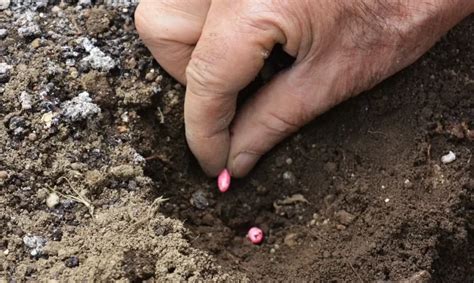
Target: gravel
(35, 244)
(80, 107)
(97, 59)
(4, 72)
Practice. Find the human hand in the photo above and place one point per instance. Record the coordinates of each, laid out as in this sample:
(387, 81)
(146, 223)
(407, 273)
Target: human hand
(342, 48)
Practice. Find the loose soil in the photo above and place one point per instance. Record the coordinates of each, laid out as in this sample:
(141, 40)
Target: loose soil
(360, 194)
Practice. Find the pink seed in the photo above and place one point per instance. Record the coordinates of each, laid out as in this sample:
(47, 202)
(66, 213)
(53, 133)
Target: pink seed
(223, 181)
(255, 235)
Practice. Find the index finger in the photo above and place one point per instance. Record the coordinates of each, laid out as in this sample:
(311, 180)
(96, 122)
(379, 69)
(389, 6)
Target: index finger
(230, 52)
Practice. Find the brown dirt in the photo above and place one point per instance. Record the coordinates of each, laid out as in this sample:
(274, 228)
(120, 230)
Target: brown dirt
(360, 194)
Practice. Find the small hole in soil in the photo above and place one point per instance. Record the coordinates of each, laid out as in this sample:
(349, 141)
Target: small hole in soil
(171, 269)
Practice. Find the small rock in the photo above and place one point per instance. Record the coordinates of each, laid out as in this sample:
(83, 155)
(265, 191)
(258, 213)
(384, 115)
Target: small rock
(36, 43)
(73, 73)
(56, 9)
(291, 239)
(25, 100)
(84, 3)
(3, 33)
(340, 227)
(4, 72)
(32, 137)
(52, 200)
(71, 262)
(35, 243)
(80, 107)
(329, 200)
(289, 177)
(151, 75)
(4, 4)
(47, 119)
(17, 125)
(408, 184)
(126, 171)
(419, 277)
(262, 190)
(199, 200)
(448, 158)
(96, 58)
(344, 217)
(28, 25)
(3, 175)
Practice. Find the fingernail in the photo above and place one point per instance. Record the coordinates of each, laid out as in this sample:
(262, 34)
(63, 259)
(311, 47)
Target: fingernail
(243, 163)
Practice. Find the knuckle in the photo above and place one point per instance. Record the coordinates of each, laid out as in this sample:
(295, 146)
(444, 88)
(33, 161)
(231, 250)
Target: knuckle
(203, 76)
(276, 123)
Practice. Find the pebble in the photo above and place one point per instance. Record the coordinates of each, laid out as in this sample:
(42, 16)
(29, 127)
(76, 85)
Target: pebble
(262, 190)
(344, 217)
(25, 100)
(448, 158)
(199, 200)
(32, 137)
(36, 43)
(73, 73)
(4, 4)
(3, 33)
(3, 175)
(97, 59)
(291, 239)
(419, 277)
(4, 72)
(151, 75)
(289, 177)
(56, 9)
(80, 107)
(408, 184)
(52, 200)
(35, 243)
(71, 262)
(340, 227)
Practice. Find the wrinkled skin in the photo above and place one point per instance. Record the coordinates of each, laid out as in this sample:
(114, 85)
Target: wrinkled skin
(217, 47)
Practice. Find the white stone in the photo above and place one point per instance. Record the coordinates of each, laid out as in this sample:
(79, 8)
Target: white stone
(3, 33)
(52, 200)
(4, 4)
(97, 59)
(25, 100)
(80, 107)
(448, 158)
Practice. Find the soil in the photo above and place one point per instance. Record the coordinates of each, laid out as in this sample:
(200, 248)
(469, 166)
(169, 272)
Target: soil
(360, 194)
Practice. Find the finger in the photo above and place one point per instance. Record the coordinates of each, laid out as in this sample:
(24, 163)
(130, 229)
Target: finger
(279, 109)
(170, 29)
(227, 57)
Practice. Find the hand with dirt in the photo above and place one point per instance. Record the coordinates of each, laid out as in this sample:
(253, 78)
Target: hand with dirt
(342, 48)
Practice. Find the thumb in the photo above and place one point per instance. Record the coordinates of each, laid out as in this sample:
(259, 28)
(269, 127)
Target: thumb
(228, 56)
(290, 100)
